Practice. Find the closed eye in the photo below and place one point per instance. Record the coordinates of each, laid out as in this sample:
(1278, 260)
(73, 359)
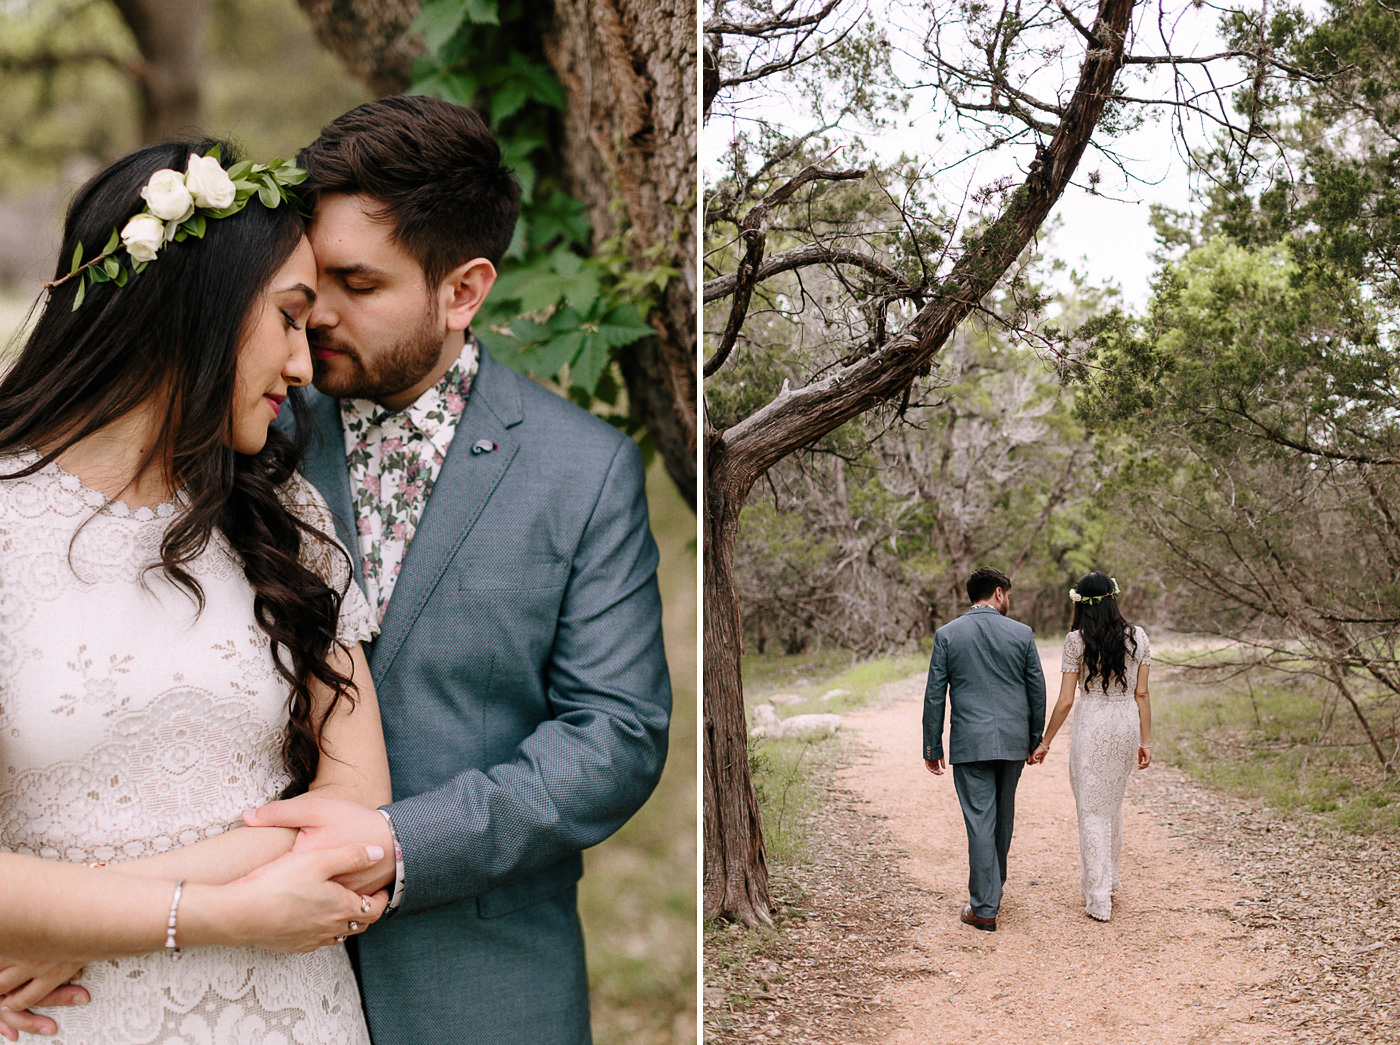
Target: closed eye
(291, 320)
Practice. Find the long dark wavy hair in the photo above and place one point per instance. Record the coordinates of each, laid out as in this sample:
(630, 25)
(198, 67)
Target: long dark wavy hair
(1109, 640)
(172, 336)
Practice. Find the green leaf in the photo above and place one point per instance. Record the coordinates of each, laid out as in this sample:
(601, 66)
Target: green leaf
(112, 241)
(483, 12)
(559, 217)
(456, 87)
(216, 153)
(77, 258)
(239, 170)
(82, 293)
(438, 22)
(592, 360)
(111, 267)
(196, 226)
(552, 356)
(121, 277)
(507, 101)
(270, 196)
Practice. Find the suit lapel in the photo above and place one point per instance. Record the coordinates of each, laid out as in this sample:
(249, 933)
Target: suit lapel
(324, 465)
(464, 485)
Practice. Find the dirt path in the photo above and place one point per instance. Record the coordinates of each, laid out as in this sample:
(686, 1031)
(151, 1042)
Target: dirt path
(1171, 967)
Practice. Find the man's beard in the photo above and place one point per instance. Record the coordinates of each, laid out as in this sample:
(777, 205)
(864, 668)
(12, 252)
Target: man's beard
(393, 370)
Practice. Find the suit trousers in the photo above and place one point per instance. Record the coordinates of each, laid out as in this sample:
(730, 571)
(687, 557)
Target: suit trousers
(987, 793)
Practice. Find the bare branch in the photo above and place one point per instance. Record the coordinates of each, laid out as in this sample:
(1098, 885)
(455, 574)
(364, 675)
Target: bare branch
(812, 254)
(770, 26)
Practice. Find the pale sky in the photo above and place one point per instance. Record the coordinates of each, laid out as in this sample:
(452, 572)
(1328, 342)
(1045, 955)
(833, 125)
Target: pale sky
(1107, 236)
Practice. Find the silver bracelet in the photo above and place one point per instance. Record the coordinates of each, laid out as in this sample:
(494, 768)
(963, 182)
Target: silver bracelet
(170, 945)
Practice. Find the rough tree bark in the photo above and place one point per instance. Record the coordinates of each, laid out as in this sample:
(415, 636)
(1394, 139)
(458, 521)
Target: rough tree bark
(735, 881)
(170, 75)
(367, 35)
(628, 70)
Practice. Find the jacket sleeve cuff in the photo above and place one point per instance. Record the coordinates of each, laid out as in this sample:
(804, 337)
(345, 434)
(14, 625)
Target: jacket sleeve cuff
(397, 898)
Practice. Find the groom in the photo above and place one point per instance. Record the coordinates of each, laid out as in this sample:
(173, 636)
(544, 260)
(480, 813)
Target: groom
(501, 534)
(986, 666)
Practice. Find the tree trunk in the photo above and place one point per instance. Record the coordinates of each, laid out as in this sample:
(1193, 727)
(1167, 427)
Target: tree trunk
(628, 69)
(367, 35)
(737, 456)
(736, 874)
(170, 76)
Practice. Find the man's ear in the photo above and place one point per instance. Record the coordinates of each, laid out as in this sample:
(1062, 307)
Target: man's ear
(464, 289)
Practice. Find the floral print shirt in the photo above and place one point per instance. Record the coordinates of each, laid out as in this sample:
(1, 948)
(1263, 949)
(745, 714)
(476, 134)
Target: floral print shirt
(394, 459)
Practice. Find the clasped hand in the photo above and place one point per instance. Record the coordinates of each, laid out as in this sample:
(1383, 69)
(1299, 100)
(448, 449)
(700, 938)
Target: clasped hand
(24, 983)
(328, 823)
(292, 909)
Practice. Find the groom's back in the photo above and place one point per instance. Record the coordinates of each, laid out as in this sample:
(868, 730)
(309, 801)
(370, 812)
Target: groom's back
(990, 670)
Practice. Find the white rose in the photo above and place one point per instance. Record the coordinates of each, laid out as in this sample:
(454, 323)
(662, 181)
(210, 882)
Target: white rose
(209, 182)
(143, 237)
(167, 196)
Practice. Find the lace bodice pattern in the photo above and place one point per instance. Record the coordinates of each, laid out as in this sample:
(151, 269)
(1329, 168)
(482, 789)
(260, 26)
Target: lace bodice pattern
(130, 724)
(1102, 755)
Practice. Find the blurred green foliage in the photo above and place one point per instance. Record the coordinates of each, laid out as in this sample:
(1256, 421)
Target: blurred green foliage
(68, 95)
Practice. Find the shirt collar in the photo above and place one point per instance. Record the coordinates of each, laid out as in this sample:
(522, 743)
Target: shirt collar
(436, 412)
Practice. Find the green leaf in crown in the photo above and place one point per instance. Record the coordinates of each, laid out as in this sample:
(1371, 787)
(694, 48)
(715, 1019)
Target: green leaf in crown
(181, 206)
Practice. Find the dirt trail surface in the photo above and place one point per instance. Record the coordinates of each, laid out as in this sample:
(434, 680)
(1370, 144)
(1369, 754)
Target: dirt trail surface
(1234, 925)
(1171, 966)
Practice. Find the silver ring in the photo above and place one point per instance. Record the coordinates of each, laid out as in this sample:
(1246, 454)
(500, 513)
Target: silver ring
(340, 939)
(365, 904)
(354, 927)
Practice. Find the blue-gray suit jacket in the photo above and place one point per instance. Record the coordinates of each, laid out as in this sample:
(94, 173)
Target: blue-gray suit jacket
(525, 699)
(987, 667)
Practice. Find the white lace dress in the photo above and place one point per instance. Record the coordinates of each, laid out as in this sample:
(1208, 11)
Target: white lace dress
(129, 726)
(1102, 754)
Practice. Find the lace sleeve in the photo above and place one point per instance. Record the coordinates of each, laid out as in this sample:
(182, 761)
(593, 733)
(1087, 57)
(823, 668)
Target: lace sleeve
(1144, 648)
(1073, 655)
(329, 561)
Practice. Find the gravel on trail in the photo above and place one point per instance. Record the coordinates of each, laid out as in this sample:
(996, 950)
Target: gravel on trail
(1233, 926)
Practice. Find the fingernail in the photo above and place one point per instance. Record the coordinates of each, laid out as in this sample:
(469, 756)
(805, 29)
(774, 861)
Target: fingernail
(49, 1031)
(376, 853)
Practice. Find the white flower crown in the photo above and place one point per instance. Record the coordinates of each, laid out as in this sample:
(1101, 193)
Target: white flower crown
(179, 206)
(1090, 600)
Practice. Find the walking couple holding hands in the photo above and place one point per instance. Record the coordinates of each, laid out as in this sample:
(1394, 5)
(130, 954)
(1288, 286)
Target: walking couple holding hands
(986, 669)
(281, 663)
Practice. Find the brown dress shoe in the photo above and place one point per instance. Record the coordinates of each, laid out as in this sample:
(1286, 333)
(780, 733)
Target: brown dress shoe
(987, 925)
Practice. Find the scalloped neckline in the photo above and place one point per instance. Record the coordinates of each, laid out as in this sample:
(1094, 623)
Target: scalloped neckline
(95, 498)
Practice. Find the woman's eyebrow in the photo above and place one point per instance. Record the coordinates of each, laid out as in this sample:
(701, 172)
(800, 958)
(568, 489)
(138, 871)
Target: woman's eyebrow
(305, 290)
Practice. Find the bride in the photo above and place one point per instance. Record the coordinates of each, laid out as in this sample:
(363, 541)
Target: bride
(1105, 655)
(178, 634)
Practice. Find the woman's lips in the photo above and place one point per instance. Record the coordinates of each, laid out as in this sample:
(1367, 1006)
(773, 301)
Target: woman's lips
(276, 402)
